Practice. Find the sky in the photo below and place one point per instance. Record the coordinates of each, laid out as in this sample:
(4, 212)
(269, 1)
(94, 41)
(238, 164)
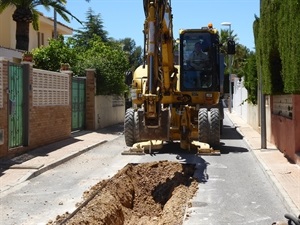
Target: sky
(125, 18)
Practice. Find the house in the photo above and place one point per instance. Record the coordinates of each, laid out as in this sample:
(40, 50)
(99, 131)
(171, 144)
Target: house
(36, 38)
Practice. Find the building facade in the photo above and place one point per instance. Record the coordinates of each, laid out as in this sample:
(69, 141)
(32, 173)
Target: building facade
(36, 38)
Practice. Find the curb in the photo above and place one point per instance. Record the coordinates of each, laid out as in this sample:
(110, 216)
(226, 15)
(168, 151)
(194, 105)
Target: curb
(62, 160)
(283, 195)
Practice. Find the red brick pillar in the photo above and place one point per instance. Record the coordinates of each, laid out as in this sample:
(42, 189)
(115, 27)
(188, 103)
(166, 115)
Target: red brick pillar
(90, 99)
(3, 107)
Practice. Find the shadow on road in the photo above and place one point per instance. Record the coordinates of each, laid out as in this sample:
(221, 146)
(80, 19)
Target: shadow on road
(6, 163)
(230, 133)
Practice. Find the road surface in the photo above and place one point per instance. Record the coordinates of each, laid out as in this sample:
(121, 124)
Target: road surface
(233, 188)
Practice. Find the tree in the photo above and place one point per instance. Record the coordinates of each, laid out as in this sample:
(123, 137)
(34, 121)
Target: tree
(92, 26)
(224, 37)
(52, 56)
(251, 79)
(26, 13)
(240, 65)
(134, 53)
(110, 62)
(241, 55)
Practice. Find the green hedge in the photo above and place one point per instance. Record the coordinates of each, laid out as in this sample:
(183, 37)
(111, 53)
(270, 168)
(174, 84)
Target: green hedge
(289, 44)
(277, 46)
(251, 81)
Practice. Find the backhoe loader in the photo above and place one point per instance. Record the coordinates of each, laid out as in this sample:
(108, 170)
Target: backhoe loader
(176, 102)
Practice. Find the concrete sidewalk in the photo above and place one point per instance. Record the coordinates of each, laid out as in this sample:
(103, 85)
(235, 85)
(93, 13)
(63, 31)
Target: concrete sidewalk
(285, 176)
(31, 164)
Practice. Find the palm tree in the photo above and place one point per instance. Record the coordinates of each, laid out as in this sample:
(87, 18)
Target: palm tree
(26, 13)
(224, 36)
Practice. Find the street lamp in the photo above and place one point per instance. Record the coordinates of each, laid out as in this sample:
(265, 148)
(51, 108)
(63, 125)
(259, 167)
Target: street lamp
(230, 62)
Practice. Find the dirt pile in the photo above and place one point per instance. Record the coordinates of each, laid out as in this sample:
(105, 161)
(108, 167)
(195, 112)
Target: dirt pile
(148, 193)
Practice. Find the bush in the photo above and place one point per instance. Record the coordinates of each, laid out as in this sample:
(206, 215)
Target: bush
(277, 45)
(251, 81)
(52, 56)
(111, 64)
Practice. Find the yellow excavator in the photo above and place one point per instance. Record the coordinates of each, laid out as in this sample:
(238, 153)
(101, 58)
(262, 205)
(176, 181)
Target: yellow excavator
(176, 92)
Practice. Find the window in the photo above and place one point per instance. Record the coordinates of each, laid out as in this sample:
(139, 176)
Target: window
(40, 39)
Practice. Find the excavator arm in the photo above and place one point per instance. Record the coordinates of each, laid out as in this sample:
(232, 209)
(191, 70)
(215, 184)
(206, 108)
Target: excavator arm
(159, 56)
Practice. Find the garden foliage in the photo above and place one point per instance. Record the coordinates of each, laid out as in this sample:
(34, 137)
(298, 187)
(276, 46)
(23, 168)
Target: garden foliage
(277, 45)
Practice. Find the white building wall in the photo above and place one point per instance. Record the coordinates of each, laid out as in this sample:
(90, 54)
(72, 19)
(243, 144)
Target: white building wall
(107, 112)
(240, 94)
(8, 30)
(249, 112)
(11, 55)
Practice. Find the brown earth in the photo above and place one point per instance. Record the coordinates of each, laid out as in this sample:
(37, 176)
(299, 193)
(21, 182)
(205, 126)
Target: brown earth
(153, 193)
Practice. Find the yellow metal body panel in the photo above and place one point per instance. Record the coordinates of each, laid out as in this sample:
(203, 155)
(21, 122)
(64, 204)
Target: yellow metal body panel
(139, 84)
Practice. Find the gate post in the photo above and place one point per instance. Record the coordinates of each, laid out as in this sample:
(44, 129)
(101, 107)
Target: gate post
(3, 106)
(90, 99)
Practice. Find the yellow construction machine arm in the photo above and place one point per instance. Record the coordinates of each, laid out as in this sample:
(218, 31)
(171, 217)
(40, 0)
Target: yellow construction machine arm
(159, 45)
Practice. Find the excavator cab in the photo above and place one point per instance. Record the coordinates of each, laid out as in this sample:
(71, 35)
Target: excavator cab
(200, 64)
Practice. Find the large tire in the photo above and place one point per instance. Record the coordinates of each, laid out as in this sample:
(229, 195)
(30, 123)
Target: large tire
(203, 125)
(129, 126)
(214, 127)
(221, 126)
(221, 108)
(136, 127)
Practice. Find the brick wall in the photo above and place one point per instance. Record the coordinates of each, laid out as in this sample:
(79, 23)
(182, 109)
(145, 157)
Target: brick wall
(49, 112)
(286, 130)
(49, 109)
(49, 124)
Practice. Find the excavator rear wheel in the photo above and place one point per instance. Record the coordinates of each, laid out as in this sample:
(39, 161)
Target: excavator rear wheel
(203, 125)
(214, 127)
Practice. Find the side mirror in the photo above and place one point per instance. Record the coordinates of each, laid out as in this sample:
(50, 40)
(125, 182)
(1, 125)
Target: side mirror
(128, 78)
(230, 47)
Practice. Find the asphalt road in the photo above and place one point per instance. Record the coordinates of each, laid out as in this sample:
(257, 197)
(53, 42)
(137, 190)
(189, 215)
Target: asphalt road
(233, 188)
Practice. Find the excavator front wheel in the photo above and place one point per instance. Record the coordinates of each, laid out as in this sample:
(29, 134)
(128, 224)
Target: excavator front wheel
(131, 127)
(214, 127)
(203, 125)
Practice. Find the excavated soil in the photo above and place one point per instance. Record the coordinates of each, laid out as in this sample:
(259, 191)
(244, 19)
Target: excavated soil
(153, 193)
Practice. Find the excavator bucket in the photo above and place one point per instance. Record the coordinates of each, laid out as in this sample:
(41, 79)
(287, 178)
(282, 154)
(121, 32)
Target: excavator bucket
(141, 147)
(205, 149)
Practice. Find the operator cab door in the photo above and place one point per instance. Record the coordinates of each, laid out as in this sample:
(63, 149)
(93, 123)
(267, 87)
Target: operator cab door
(199, 61)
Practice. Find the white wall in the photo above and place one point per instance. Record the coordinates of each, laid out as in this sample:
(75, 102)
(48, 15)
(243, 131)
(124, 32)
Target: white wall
(246, 111)
(240, 94)
(11, 54)
(108, 112)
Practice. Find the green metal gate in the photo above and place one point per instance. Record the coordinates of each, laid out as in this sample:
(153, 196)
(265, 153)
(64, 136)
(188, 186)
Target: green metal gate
(16, 104)
(78, 103)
